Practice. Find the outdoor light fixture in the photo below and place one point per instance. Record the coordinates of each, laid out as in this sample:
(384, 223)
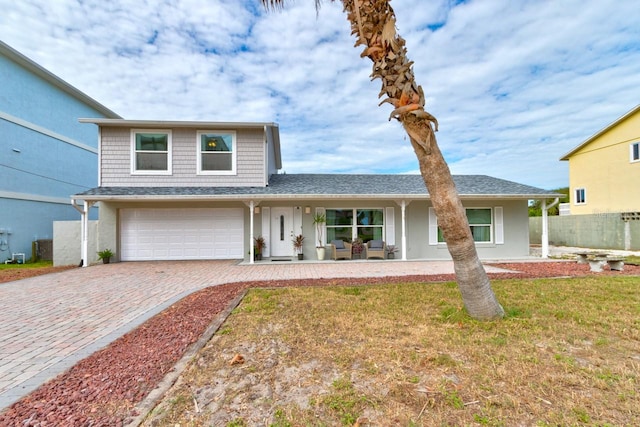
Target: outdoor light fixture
(256, 210)
(307, 209)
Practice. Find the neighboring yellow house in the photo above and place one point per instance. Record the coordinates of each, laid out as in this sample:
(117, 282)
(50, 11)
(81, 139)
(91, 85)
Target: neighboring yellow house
(604, 171)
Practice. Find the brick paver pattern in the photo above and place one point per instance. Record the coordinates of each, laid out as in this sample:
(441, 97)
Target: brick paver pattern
(48, 323)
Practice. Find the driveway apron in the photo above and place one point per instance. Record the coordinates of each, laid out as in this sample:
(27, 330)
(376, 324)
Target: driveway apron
(48, 323)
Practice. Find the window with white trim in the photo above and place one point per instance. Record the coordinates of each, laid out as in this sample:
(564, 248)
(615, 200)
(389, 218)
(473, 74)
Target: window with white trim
(216, 152)
(581, 196)
(634, 152)
(151, 152)
(481, 224)
(368, 224)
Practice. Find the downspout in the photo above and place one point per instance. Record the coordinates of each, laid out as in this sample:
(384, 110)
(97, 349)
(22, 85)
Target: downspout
(403, 208)
(545, 226)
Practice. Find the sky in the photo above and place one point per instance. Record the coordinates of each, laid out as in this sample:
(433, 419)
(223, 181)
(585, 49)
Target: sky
(514, 84)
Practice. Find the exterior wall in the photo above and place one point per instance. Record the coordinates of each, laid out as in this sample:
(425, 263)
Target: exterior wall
(67, 244)
(107, 231)
(597, 231)
(515, 226)
(309, 229)
(515, 229)
(45, 155)
(116, 161)
(604, 170)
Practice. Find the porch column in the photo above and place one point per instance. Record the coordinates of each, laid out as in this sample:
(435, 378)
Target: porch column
(545, 225)
(545, 230)
(403, 208)
(84, 230)
(251, 208)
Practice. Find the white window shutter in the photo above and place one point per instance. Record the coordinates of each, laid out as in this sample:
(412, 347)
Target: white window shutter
(433, 227)
(321, 211)
(499, 225)
(266, 230)
(390, 226)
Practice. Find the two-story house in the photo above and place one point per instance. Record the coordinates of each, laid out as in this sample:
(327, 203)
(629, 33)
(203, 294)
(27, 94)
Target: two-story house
(205, 190)
(604, 171)
(45, 154)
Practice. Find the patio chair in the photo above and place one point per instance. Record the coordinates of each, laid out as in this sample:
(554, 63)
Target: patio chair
(374, 249)
(340, 249)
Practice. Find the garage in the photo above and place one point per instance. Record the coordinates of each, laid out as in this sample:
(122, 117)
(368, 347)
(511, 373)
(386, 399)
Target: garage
(181, 234)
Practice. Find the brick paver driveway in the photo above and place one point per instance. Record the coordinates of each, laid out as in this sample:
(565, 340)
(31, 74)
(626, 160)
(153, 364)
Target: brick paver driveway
(48, 323)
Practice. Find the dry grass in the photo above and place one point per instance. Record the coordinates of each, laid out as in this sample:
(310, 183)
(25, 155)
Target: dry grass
(567, 354)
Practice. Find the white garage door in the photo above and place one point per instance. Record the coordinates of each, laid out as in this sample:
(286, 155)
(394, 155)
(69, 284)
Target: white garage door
(175, 234)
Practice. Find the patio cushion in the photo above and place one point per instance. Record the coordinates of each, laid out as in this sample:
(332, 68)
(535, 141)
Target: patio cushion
(376, 244)
(339, 244)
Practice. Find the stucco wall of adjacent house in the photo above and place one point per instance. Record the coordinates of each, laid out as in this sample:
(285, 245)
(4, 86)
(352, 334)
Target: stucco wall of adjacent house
(67, 242)
(604, 169)
(45, 155)
(116, 160)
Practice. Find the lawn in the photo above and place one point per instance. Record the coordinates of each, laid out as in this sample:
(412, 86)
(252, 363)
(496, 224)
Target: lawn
(568, 353)
(27, 265)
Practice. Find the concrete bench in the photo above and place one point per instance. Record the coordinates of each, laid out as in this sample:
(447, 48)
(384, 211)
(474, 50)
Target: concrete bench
(583, 257)
(616, 264)
(596, 263)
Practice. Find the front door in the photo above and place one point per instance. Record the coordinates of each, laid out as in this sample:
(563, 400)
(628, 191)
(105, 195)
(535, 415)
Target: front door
(281, 232)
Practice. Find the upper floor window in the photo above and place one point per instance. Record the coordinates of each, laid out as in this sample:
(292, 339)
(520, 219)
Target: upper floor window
(151, 152)
(216, 152)
(635, 152)
(581, 196)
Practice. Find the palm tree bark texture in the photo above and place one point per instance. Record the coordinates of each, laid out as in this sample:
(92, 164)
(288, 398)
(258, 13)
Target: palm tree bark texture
(373, 23)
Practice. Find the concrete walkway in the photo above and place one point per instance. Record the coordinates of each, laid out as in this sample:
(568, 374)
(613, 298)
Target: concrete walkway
(49, 323)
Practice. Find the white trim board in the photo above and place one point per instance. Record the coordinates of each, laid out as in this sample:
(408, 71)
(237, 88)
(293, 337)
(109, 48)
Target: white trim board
(47, 132)
(34, 197)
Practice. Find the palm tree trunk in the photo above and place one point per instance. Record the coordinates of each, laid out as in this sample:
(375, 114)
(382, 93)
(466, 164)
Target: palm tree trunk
(373, 23)
(474, 285)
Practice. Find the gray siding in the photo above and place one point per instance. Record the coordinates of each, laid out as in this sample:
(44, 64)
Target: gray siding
(115, 161)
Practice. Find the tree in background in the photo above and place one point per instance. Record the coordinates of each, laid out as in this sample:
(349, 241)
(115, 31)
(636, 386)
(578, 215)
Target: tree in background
(535, 207)
(373, 23)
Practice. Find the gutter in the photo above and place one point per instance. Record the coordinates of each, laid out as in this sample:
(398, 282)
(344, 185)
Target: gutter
(176, 123)
(263, 196)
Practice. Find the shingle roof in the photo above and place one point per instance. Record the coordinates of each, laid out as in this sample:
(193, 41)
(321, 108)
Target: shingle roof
(314, 186)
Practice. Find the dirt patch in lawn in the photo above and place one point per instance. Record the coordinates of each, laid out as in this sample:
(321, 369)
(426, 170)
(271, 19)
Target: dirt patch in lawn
(103, 389)
(25, 271)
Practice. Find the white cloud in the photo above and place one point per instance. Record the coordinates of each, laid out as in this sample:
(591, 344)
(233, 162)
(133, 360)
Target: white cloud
(514, 84)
